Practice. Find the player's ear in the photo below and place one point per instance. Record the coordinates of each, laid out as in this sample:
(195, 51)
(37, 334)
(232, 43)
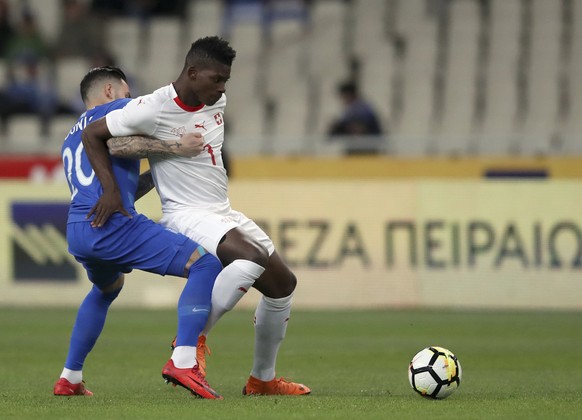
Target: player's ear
(108, 90)
(192, 73)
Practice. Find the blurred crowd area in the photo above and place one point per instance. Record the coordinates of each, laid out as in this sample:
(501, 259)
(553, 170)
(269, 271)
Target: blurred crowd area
(46, 47)
(439, 77)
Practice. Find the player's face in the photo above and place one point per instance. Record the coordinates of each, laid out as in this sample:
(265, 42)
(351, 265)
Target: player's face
(120, 90)
(210, 83)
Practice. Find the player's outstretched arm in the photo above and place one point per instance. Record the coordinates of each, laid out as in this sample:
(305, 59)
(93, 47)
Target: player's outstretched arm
(94, 137)
(139, 147)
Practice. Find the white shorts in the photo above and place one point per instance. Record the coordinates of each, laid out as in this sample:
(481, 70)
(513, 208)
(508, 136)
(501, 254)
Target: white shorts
(208, 228)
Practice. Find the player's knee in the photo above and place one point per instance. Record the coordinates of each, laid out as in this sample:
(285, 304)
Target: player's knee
(288, 284)
(117, 285)
(209, 263)
(277, 287)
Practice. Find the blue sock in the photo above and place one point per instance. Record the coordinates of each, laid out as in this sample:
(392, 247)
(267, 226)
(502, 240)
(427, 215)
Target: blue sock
(195, 300)
(88, 326)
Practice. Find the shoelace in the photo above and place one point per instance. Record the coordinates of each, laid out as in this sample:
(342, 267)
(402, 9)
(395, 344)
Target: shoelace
(204, 348)
(201, 350)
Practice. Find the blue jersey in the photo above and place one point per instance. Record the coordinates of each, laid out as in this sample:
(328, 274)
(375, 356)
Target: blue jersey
(84, 185)
(123, 243)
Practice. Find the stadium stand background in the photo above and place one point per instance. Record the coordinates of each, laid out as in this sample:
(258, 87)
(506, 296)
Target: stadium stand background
(478, 187)
(448, 77)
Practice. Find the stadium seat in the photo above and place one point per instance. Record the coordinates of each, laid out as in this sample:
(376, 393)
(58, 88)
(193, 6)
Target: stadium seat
(245, 89)
(319, 146)
(247, 41)
(497, 131)
(326, 61)
(3, 71)
(204, 18)
(290, 125)
(24, 134)
(419, 32)
(286, 80)
(543, 69)
(59, 128)
(458, 105)
(70, 71)
(124, 40)
(237, 12)
(285, 55)
(49, 16)
(374, 49)
(310, 54)
(572, 138)
(163, 47)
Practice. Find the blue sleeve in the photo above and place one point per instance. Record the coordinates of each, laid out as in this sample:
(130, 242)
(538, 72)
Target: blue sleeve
(117, 104)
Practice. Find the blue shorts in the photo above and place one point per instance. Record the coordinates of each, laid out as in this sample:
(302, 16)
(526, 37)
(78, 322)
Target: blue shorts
(123, 244)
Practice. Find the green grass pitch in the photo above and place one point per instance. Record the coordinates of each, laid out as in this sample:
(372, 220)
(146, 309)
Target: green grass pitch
(516, 365)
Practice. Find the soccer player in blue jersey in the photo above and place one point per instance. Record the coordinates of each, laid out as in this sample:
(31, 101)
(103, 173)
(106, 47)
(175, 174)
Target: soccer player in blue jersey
(129, 241)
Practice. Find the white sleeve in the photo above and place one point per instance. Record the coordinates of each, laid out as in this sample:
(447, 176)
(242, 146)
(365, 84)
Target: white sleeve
(137, 117)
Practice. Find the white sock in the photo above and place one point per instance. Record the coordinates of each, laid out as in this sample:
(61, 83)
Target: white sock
(73, 376)
(184, 357)
(231, 285)
(271, 319)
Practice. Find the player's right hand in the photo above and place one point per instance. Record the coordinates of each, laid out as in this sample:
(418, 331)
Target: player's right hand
(108, 203)
(192, 145)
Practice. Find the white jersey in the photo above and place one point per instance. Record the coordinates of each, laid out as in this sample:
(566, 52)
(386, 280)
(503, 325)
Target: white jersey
(182, 183)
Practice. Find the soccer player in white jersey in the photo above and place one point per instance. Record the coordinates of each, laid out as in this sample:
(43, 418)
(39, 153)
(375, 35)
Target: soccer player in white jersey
(193, 192)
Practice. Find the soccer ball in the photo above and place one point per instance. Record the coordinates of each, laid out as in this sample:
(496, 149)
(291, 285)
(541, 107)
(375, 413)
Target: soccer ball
(434, 372)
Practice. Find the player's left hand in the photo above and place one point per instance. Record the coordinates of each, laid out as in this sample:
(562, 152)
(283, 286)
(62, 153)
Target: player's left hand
(108, 203)
(191, 144)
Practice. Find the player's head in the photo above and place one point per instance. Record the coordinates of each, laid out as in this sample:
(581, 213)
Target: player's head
(102, 85)
(348, 91)
(207, 67)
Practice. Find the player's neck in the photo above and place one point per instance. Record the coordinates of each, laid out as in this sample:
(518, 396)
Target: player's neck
(186, 96)
(96, 101)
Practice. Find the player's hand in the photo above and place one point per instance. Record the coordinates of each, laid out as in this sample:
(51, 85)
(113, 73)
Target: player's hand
(191, 144)
(108, 203)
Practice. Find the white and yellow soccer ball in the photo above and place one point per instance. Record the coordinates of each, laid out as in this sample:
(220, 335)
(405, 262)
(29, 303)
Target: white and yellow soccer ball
(435, 372)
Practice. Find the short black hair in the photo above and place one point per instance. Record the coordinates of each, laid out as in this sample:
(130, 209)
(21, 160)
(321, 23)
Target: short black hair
(348, 87)
(206, 51)
(100, 74)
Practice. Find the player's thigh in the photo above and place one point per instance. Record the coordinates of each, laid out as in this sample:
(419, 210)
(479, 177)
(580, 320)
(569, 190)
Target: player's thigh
(228, 236)
(124, 244)
(248, 241)
(254, 231)
(85, 244)
(237, 244)
(205, 228)
(277, 280)
(153, 248)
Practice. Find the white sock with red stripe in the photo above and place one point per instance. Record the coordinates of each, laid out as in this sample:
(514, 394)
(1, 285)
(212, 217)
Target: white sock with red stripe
(231, 285)
(271, 319)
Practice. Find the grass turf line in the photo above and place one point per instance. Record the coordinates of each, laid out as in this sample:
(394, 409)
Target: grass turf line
(515, 365)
